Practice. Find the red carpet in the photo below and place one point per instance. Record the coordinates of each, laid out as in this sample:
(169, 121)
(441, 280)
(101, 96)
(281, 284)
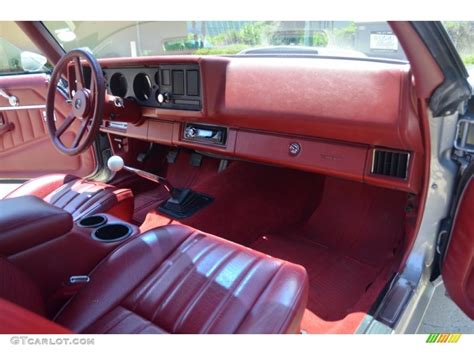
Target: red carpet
(181, 174)
(336, 281)
(350, 246)
(346, 234)
(249, 200)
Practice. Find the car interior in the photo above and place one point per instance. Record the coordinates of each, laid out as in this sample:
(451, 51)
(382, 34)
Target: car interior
(208, 194)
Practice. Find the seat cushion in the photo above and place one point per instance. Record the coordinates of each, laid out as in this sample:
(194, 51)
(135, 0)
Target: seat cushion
(17, 287)
(175, 279)
(18, 320)
(80, 197)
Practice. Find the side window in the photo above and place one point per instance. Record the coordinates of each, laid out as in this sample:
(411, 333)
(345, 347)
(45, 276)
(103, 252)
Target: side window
(18, 55)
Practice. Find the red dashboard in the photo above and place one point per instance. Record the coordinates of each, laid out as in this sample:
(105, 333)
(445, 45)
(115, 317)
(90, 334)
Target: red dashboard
(332, 116)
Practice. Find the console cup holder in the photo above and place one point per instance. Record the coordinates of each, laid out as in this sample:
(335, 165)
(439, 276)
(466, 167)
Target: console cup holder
(112, 232)
(93, 221)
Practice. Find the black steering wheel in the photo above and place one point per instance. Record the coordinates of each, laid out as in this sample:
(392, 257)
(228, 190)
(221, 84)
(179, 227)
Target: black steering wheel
(87, 104)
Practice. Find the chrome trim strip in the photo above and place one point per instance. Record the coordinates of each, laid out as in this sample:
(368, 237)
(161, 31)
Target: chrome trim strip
(15, 108)
(117, 125)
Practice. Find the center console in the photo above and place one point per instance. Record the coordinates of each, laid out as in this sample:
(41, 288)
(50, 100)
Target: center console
(28, 221)
(72, 256)
(106, 231)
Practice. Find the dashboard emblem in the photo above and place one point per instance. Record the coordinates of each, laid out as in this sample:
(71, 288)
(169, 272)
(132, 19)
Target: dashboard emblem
(294, 148)
(77, 104)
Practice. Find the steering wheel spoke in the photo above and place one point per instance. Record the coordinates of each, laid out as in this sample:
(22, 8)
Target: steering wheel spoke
(66, 124)
(80, 83)
(80, 133)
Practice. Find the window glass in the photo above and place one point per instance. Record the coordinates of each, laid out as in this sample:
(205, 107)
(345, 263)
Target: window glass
(462, 35)
(18, 54)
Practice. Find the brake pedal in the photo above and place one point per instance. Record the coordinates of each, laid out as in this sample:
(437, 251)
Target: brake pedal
(223, 165)
(195, 159)
(172, 156)
(142, 157)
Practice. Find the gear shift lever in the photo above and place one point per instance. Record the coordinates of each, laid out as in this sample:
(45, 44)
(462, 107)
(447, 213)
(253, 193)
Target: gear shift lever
(115, 163)
(182, 203)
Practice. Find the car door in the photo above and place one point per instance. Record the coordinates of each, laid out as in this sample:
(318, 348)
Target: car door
(25, 147)
(458, 261)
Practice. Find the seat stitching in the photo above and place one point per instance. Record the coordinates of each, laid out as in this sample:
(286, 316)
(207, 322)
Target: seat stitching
(147, 324)
(258, 297)
(96, 197)
(161, 269)
(171, 287)
(178, 282)
(103, 262)
(117, 321)
(165, 299)
(223, 303)
(60, 192)
(203, 288)
(64, 204)
(96, 201)
(290, 310)
(82, 188)
(108, 195)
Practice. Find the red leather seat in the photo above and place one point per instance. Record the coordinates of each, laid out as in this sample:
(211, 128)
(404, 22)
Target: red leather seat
(17, 287)
(78, 196)
(175, 279)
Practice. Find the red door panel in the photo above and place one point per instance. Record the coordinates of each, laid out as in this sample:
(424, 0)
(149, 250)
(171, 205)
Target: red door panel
(25, 148)
(458, 268)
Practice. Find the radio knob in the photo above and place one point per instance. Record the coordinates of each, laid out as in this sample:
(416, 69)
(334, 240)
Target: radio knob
(190, 132)
(163, 97)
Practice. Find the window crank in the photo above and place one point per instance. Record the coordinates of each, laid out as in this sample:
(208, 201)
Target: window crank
(12, 100)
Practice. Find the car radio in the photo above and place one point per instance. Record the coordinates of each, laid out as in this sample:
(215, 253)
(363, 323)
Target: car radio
(205, 134)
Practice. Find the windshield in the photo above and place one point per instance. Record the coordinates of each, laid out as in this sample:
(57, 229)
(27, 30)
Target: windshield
(319, 38)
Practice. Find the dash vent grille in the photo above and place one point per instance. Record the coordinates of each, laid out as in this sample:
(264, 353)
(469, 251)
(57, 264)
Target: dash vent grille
(390, 163)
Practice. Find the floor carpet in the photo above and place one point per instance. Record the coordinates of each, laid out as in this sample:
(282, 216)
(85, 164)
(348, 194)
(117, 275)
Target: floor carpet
(347, 235)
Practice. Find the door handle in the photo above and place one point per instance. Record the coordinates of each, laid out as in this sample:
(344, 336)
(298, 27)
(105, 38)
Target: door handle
(12, 100)
(5, 126)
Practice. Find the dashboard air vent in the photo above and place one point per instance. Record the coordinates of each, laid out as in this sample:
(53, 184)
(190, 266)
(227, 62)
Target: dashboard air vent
(390, 163)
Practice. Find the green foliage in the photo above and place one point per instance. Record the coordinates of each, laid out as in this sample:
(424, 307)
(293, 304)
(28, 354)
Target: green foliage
(251, 34)
(462, 35)
(468, 59)
(232, 49)
(183, 44)
(226, 38)
(345, 36)
(268, 33)
(320, 39)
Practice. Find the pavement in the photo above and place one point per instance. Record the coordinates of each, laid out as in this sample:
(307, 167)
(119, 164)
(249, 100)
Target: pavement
(442, 315)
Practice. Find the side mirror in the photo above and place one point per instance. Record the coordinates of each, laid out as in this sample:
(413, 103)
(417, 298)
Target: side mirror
(32, 62)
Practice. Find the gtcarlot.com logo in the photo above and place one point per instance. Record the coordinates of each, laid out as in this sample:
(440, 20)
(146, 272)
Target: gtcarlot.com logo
(443, 338)
(31, 340)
